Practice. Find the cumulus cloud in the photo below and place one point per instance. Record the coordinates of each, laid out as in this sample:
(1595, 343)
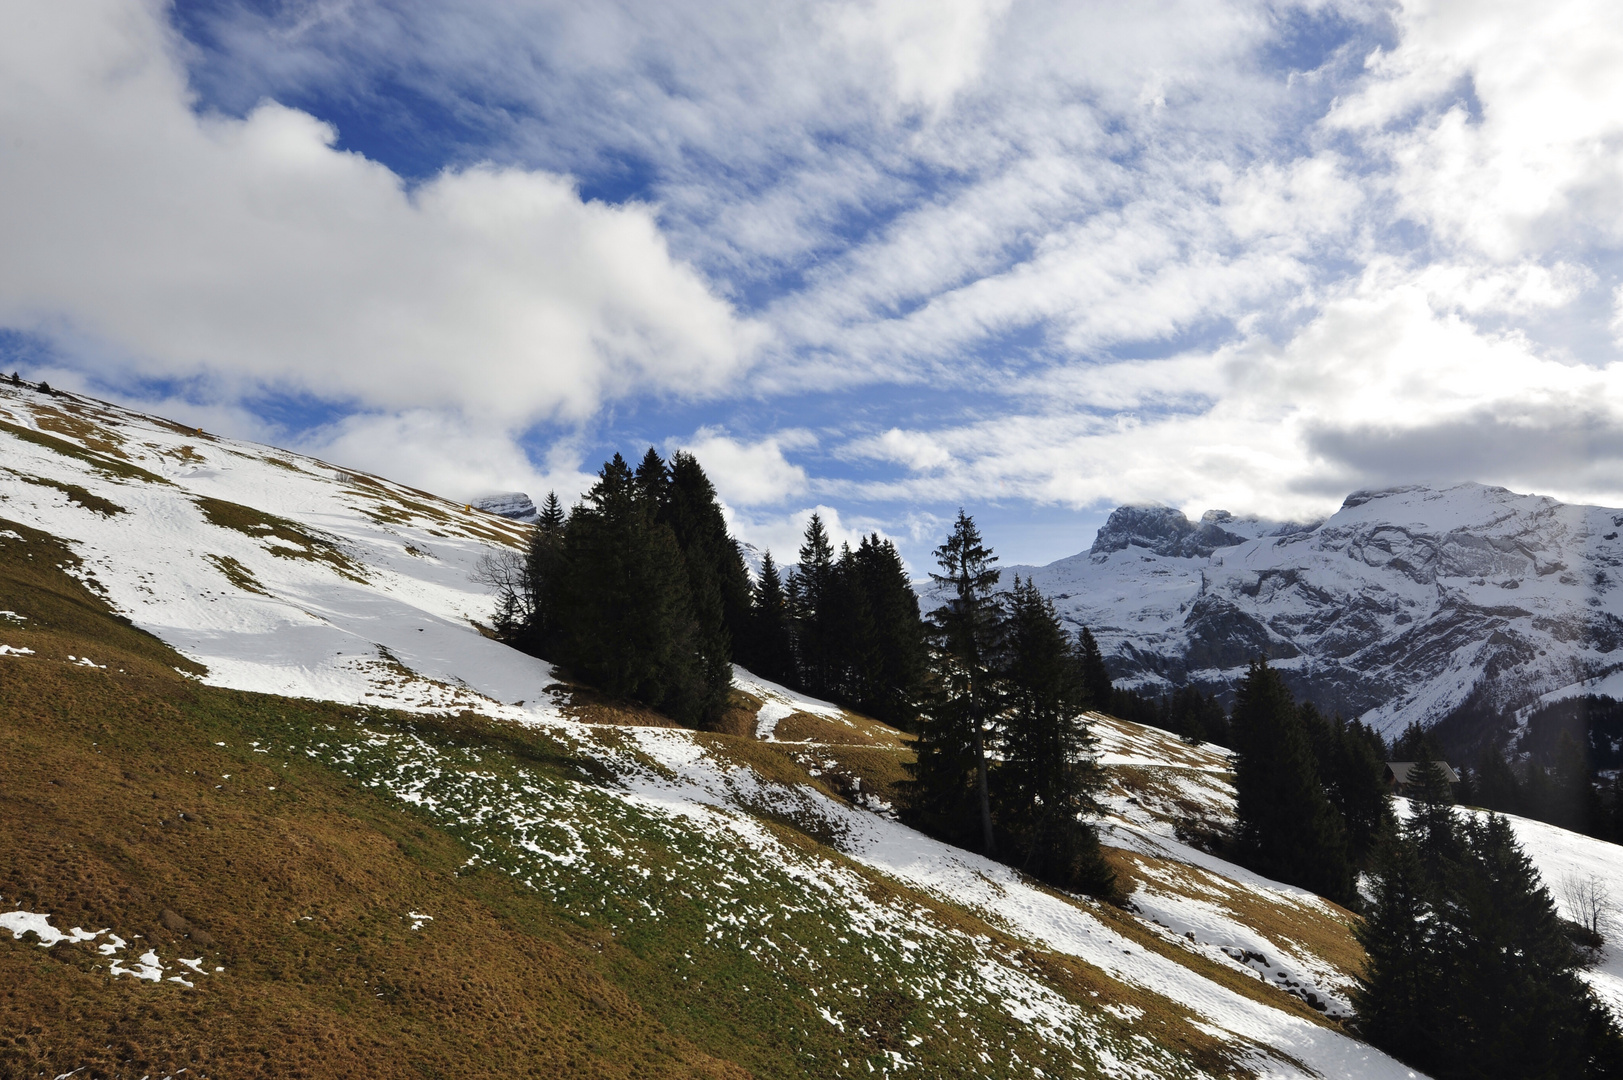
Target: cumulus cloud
(749, 473)
(255, 252)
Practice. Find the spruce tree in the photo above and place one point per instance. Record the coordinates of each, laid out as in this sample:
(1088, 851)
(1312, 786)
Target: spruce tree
(1287, 827)
(1047, 779)
(1353, 778)
(1095, 677)
(811, 597)
(543, 567)
(771, 650)
(885, 658)
(948, 793)
(1496, 785)
(1399, 993)
(624, 613)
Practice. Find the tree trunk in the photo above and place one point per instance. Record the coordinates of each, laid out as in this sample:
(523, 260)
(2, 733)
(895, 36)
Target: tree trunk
(980, 785)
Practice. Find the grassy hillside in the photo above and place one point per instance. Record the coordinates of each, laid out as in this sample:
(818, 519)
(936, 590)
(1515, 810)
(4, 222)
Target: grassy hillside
(501, 873)
(629, 946)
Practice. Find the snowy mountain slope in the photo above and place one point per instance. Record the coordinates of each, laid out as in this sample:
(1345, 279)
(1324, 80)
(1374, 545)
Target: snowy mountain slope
(282, 575)
(1397, 608)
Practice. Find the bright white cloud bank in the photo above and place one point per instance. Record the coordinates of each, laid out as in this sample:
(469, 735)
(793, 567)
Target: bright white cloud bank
(1153, 257)
(253, 252)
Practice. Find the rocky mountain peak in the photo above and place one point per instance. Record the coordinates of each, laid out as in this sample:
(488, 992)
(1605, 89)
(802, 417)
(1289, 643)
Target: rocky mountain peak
(1166, 531)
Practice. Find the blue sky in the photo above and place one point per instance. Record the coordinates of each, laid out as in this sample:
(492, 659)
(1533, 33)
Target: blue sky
(882, 257)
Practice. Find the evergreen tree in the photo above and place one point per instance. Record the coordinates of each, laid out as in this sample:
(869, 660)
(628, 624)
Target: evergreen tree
(811, 602)
(1095, 677)
(884, 657)
(543, 567)
(1415, 742)
(1399, 993)
(771, 652)
(1287, 827)
(1047, 779)
(948, 793)
(1353, 778)
(1496, 785)
(693, 512)
(718, 585)
(624, 612)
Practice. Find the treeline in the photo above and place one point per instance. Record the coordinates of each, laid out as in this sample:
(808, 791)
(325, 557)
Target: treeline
(1311, 799)
(1470, 972)
(844, 627)
(640, 592)
(1186, 712)
(1566, 769)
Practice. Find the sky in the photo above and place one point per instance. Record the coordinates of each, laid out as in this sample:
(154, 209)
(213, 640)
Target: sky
(881, 259)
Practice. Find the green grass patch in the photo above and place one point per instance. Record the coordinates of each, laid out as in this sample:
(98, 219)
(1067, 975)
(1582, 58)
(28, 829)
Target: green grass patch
(109, 466)
(296, 543)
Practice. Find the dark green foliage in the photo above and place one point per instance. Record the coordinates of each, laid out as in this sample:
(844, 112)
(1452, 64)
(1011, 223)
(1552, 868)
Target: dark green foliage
(1415, 742)
(879, 662)
(1348, 761)
(625, 613)
(1470, 973)
(1046, 780)
(814, 606)
(768, 648)
(1096, 682)
(1287, 827)
(1397, 996)
(1196, 717)
(948, 794)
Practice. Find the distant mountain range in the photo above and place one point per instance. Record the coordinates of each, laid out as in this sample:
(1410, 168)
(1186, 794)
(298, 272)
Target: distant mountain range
(1407, 604)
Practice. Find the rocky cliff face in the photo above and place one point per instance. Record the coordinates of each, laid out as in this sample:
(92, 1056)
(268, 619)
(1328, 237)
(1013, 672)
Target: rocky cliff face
(1399, 607)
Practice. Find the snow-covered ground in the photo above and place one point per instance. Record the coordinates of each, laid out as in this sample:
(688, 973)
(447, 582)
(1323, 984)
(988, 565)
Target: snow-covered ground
(1391, 609)
(349, 588)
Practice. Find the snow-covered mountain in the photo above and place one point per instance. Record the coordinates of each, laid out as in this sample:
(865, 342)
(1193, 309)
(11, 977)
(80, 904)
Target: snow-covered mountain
(1399, 607)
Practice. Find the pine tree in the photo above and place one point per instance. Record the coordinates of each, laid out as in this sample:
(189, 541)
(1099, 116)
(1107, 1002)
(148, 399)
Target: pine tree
(948, 793)
(1496, 785)
(1287, 827)
(1047, 779)
(543, 565)
(623, 608)
(771, 651)
(811, 596)
(1399, 992)
(884, 654)
(1095, 677)
(1352, 774)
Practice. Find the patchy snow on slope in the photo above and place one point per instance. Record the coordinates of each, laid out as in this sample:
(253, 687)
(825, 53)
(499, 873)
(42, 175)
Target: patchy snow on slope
(307, 580)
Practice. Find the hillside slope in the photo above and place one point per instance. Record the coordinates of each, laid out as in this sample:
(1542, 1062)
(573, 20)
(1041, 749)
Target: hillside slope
(245, 688)
(1397, 608)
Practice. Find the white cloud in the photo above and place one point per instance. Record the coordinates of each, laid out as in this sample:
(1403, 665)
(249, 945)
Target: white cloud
(916, 450)
(255, 252)
(1533, 160)
(749, 474)
(449, 455)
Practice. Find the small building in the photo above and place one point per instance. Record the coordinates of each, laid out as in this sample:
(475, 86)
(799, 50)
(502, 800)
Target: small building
(1397, 775)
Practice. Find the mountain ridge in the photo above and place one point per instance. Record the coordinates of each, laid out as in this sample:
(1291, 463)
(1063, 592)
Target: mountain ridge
(1400, 607)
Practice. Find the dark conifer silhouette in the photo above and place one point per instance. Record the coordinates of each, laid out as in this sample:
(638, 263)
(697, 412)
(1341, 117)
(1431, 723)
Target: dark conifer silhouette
(949, 791)
(1047, 779)
(1287, 827)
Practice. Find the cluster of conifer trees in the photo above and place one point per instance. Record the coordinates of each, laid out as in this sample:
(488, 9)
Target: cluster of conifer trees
(640, 592)
(843, 627)
(1005, 759)
(1311, 797)
(1470, 972)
